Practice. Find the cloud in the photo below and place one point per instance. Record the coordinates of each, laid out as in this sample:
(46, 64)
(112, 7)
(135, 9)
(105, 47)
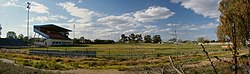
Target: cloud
(48, 18)
(135, 19)
(79, 1)
(171, 24)
(11, 3)
(209, 25)
(153, 13)
(71, 20)
(189, 27)
(38, 8)
(84, 15)
(118, 22)
(207, 8)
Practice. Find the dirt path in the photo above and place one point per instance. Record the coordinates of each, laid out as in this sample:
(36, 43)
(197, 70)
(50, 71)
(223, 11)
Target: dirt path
(87, 71)
(7, 60)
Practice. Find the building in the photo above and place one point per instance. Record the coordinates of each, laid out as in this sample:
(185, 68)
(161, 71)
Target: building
(52, 35)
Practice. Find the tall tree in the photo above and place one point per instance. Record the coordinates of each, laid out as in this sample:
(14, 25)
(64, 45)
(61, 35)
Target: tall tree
(147, 39)
(234, 13)
(124, 38)
(156, 38)
(235, 24)
(132, 38)
(138, 38)
(11, 35)
(82, 39)
(20, 36)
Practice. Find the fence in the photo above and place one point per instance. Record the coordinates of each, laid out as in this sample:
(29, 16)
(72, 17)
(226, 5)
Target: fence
(107, 53)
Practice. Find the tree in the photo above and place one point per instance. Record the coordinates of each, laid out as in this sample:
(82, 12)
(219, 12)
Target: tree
(76, 41)
(82, 39)
(156, 38)
(201, 39)
(172, 40)
(138, 38)
(234, 13)
(132, 38)
(235, 24)
(124, 38)
(147, 39)
(11, 35)
(20, 36)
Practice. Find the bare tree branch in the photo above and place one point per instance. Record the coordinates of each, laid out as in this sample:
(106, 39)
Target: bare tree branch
(172, 65)
(212, 64)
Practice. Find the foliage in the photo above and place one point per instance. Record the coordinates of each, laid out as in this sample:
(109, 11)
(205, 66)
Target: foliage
(11, 35)
(147, 39)
(132, 38)
(98, 41)
(234, 13)
(76, 41)
(156, 38)
(124, 39)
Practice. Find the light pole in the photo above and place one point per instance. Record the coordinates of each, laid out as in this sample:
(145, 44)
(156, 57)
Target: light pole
(28, 20)
(0, 30)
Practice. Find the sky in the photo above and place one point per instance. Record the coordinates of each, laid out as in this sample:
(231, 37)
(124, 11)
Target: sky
(108, 19)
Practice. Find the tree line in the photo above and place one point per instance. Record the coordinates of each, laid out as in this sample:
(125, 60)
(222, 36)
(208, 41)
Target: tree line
(137, 38)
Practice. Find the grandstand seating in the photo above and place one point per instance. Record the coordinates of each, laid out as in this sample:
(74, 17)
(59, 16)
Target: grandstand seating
(52, 31)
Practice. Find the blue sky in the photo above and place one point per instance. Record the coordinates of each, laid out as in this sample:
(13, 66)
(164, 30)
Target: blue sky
(108, 19)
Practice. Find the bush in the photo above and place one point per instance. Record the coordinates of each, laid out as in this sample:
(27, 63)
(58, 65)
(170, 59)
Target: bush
(97, 41)
(40, 65)
(27, 62)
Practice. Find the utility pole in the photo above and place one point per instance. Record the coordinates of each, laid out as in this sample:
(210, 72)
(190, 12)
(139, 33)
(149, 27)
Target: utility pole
(74, 30)
(176, 37)
(28, 20)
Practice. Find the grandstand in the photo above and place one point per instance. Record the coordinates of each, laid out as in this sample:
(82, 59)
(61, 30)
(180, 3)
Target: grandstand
(52, 35)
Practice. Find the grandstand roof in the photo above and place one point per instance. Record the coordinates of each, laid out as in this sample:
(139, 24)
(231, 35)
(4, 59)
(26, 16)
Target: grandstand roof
(52, 27)
(51, 31)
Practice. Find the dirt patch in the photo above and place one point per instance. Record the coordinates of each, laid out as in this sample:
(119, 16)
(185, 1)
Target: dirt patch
(87, 71)
(205, 62)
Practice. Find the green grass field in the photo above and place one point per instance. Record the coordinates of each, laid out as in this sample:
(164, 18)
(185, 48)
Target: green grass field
(149, 55)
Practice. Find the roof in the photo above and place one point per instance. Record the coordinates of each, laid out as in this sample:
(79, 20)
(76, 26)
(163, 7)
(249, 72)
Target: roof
(51, 31)
(52, 27)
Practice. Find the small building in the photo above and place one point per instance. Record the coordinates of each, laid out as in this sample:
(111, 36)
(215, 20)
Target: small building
(52, 35)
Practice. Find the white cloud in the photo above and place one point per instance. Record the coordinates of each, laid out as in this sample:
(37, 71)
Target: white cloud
(170, 24)
(48, 18)
(118, 22)
(207, 8)
(11, 3)
(79, 1)
(84, 15)
(153, 13)
(189, 27)
(71, 20)
(134, 20)
(193, 28)
(38, 8)
(165, 30)
(209, 25)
